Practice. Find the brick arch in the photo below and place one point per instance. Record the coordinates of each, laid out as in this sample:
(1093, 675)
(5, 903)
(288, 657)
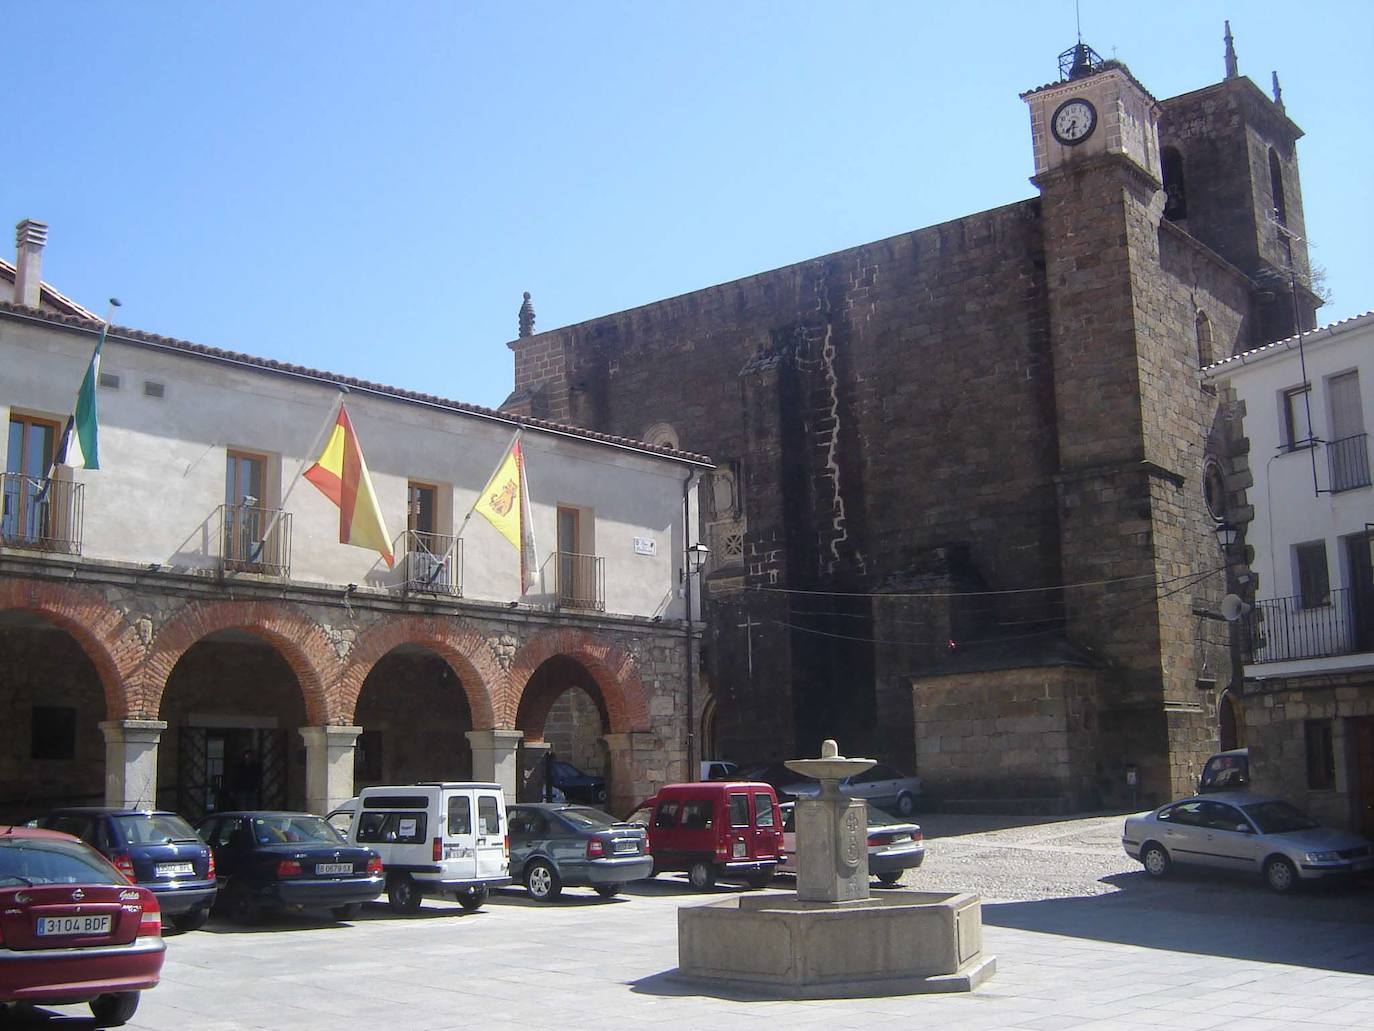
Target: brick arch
(464, 649)
(301, 641)
(102, 631)
(623, 699)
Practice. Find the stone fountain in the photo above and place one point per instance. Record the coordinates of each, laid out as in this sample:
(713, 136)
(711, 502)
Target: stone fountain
(832, 939)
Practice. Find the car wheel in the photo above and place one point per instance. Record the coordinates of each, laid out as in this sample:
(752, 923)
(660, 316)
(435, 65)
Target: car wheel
(906, 805)
(473, 898)
(241, 906)
(192, 919)
(889, 880)
(114, 1009)
(609, 891)
(1155, 860)
(702, 875)
(403, 894)
(542, 881)
(349, 911)
(759, 880)
(1280, 875)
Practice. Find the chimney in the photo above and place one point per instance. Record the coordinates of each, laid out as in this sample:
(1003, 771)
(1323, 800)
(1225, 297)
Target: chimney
(29, 240)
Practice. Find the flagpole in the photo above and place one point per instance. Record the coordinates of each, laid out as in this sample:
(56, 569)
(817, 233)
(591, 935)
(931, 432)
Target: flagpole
(311, 453)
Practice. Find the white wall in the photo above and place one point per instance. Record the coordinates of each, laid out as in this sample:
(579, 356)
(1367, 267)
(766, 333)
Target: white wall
(163, 470)
(1287, 511)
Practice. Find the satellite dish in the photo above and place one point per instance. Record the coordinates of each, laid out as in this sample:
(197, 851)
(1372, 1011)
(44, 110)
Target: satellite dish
(1232, 608)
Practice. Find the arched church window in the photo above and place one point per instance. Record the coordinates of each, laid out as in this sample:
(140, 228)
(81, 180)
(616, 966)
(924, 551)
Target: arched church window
(1214, 489)
(1175, 194)
(1203, 325)
(1276, 187)
(662, 434)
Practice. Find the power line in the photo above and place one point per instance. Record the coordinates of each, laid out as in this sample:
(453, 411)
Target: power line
(787, 625)
(976, 594)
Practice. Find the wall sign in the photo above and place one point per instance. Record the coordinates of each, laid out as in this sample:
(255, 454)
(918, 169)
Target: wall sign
(646, 546)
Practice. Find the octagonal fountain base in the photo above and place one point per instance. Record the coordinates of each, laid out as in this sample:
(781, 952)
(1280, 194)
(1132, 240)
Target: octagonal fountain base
(897, 943)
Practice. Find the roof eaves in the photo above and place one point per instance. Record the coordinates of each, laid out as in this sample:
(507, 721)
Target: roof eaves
(1331, 329)
(136, 336)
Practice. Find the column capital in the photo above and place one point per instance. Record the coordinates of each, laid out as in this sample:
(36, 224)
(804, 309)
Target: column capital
(332, 734)
(142, 731)
(494, 738)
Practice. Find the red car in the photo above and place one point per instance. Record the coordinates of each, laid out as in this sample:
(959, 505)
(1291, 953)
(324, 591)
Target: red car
(72, 927)
(730, 830)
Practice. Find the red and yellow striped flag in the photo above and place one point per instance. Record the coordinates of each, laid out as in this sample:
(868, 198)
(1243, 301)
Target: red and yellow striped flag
(341, 475)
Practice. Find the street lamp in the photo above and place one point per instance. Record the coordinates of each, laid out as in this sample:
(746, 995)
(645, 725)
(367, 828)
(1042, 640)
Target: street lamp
(1227, 536)
(696, 558)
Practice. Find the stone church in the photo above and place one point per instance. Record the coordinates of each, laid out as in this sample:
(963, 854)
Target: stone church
(969, 477)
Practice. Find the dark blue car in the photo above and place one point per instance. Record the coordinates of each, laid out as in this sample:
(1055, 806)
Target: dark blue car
(270, 861)
(576, 785)
(156, 850)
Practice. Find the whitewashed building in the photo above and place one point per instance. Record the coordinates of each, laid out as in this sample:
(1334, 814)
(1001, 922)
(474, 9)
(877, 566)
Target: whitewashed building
(1307, 711)
(183, 627)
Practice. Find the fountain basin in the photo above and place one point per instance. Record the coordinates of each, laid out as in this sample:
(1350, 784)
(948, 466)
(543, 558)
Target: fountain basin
(896, 943)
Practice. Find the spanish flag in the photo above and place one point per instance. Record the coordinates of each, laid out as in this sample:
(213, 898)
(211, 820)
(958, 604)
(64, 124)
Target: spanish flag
(342, 476)
(505, 503)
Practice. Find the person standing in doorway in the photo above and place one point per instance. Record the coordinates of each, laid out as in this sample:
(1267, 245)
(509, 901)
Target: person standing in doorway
(247, 783)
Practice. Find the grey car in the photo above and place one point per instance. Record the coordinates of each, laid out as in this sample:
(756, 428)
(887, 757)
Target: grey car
(554, 845)
(881, 785)
(1250, 833)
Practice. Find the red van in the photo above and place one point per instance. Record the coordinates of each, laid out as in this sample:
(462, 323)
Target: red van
(731, 830)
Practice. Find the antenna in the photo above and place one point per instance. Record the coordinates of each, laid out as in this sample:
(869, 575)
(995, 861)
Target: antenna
(1078, 18)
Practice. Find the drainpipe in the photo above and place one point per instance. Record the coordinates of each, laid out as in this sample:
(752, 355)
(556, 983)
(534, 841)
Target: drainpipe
(692, 773)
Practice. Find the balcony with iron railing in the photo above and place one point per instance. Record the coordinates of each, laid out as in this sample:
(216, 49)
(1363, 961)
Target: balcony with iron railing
(430, 563)
(1349, 462)
(579, 580)
(1284, 629)
(42, 513)
(253, 539)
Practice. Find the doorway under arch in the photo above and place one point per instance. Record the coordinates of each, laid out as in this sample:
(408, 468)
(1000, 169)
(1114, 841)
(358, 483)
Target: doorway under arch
(1228, 722)
(233, 707)
(414, 715)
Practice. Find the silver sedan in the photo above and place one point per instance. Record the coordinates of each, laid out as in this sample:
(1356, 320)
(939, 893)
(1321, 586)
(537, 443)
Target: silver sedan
(1251, 833)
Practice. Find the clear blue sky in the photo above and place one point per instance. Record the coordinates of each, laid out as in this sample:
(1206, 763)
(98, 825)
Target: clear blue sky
(368, 187)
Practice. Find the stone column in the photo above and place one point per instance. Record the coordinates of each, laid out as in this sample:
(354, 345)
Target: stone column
(328, 766)
(494, 758)
(532, 757)
(626, 787)
(131, 762)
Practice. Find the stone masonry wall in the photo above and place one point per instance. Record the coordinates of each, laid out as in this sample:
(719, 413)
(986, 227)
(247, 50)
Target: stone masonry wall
(133, 629)
(978, 732)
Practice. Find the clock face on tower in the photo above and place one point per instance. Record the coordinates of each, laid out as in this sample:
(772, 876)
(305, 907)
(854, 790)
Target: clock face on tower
(1074, 121)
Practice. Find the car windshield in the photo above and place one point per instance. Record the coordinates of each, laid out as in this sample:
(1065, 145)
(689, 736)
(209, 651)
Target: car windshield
(1278, 817)
(302, 829)
(155, 829)
(29, 861)
(585, 816)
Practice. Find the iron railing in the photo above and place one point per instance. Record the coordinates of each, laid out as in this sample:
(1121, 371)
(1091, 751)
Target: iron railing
(580, 581)
(1349, 459)
(254, 540)
(430, 563)
(1282, 629)
(42, 513)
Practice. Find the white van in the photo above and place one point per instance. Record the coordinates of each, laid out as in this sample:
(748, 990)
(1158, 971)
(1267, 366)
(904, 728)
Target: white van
(435, 838)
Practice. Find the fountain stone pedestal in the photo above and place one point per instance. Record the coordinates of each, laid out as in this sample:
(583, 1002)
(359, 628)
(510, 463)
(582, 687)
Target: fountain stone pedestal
(832, 939)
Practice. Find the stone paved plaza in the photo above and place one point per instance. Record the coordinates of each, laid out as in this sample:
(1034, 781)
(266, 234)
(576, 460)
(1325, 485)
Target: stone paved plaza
(1082, 941)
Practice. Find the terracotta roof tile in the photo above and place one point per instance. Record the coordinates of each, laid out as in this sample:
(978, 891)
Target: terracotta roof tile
(137, 336)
